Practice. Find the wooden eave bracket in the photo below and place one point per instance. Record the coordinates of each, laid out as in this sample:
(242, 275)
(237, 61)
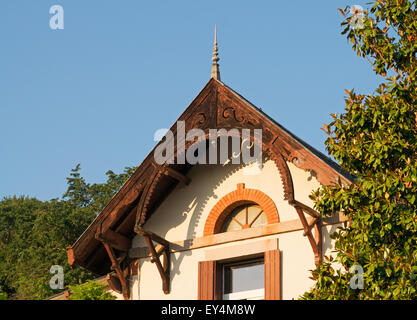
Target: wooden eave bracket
(114, 239)
(316, 224)
(111, 239)
(171, 172)
(164, 251)
(176, 175)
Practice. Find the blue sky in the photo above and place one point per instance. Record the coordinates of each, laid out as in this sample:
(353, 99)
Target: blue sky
(96, 92)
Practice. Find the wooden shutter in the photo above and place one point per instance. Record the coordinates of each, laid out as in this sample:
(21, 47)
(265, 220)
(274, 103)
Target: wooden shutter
(209, 280)
(272, 275)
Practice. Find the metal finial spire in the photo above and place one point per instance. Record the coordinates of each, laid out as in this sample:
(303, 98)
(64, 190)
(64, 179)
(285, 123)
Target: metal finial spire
(215, 72)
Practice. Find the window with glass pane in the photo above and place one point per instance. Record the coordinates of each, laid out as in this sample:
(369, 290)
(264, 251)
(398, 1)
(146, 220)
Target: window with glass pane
(244, 280)
(245, 216)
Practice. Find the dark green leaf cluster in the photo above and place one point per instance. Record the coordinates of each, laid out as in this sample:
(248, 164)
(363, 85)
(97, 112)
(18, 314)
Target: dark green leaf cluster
(34, 234)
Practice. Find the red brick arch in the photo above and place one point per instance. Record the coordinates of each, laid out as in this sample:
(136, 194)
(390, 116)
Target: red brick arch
(234, 199)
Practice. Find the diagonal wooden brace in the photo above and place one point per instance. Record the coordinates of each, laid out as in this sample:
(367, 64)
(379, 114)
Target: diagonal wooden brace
(311, 225)
(160, 251)
(305, 208)
(316, 239)
(163, 268)
(117, 268)
(110, 240)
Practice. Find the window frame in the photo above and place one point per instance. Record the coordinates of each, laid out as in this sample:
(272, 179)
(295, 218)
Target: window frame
(210, 276)
(255, 294)
(230, 201)
(240, 295)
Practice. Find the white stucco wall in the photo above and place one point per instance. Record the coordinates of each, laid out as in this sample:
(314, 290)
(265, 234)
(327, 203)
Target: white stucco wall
(183, 214)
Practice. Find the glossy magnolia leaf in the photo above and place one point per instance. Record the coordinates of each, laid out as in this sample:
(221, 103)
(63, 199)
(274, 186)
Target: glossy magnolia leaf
(375, 140)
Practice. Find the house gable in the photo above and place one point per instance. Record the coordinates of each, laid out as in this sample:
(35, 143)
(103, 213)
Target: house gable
(216, 106)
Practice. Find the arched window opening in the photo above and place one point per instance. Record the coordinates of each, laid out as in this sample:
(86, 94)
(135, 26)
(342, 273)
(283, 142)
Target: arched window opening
(241, 209)
(244, 217)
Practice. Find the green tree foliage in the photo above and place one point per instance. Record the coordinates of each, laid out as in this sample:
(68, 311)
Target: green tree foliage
(375, 140)
(3, 295)
(90, 290)
(34, 234)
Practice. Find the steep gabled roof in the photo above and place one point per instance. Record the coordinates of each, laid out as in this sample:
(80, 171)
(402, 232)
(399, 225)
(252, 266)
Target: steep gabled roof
(216, 106)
